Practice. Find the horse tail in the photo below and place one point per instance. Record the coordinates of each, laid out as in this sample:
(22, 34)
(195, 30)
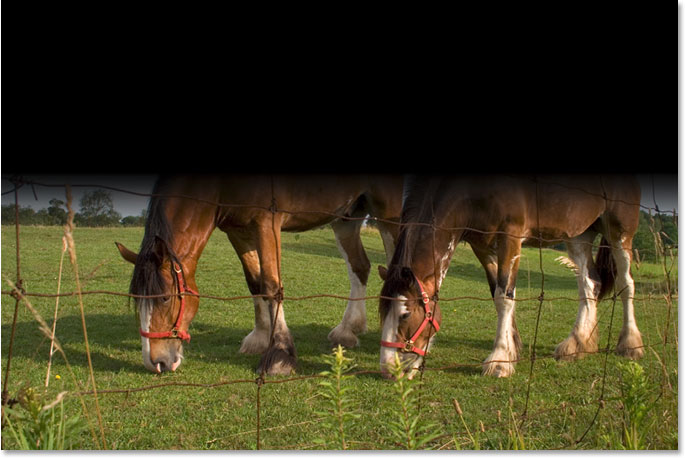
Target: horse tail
(606, 268)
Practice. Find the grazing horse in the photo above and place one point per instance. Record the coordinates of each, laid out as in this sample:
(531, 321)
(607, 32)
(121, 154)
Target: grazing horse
(496, 215)
(252, 210)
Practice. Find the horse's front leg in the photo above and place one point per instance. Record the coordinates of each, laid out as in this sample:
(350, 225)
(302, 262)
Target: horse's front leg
(501, 361)
(245, 244)
(280, 357)
(347, 236)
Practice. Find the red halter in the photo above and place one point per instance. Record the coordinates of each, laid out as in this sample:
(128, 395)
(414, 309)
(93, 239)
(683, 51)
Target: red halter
(175, 333)
(408, 346)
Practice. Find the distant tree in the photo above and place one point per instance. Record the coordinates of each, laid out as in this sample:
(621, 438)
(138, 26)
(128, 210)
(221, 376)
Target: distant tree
(131, 220)
(57, 215)
(97, 209)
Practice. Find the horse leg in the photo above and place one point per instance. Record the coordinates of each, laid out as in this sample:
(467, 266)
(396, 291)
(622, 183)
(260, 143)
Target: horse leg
(257, 341)
(358, 267)
(488, 259)
(630, 340)
(389, 233)
(500, 362)
(584, 337)
(280, 357)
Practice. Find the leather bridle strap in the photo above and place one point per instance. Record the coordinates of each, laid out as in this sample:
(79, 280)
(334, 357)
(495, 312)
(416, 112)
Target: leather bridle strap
(408, 346)
(175, 332)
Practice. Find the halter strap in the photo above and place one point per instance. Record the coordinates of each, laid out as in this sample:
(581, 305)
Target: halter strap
(175, 332)
(408, 346)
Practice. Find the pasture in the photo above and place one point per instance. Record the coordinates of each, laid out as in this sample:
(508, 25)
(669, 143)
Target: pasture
(562, 400)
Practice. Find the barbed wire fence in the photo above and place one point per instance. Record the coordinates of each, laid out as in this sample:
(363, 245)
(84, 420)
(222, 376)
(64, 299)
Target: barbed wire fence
(20, 295)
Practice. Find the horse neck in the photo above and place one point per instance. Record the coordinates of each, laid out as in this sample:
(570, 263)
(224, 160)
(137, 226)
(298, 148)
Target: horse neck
(189, 222)
(427, 250)
(191, 234)
(431, 258)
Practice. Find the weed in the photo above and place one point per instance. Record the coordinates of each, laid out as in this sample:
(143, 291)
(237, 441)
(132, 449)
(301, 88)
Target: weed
(338, 412)
(35, 426)
(637, 402)
(406, 424)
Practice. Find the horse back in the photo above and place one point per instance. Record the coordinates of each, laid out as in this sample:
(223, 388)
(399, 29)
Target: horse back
(551, 206)
(305, 201)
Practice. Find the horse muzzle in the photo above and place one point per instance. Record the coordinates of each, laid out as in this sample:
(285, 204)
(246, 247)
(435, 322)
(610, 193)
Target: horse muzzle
(163, 358)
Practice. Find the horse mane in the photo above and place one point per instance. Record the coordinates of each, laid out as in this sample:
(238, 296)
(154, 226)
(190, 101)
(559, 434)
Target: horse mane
(147, 279)
(418, 203)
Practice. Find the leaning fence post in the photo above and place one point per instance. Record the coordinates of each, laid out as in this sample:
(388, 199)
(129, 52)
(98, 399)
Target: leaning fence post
(5, 398)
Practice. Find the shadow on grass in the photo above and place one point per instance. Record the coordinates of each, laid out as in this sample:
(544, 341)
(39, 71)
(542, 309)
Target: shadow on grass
(330, 250)
(115, 346)
(110, 335)
(466, 271)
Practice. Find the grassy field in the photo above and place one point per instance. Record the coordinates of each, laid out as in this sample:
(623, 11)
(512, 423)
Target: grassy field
(562, 401)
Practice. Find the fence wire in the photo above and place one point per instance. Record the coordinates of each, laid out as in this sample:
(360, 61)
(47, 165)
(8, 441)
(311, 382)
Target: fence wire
(18, 292)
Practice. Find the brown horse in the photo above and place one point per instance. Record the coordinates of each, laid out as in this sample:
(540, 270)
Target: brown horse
(496, 215)
(252, 211)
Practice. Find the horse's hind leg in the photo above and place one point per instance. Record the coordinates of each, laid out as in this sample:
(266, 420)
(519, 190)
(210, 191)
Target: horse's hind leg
(501, 361)
(630, 340)
(584, 336)
(347, 236)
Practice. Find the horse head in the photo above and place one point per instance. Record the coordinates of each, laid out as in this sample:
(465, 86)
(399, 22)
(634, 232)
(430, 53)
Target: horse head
(409, 319)
(168, 305)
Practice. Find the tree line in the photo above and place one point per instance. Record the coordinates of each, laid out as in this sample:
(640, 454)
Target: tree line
(96, 210)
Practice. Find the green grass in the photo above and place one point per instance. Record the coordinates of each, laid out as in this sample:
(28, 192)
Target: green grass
(563, 396)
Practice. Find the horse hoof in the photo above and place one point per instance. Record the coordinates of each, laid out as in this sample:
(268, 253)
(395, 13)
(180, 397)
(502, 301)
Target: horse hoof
(498, 369)
(343, 337)
(630, 353)
(630, 345)
(572, 348)
(278, 361)
(254, 343)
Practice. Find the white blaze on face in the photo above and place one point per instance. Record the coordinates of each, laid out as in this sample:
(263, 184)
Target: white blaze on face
(389, 331)
(145, 312)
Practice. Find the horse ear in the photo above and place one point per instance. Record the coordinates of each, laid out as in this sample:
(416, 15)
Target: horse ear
(159, 250)
(127, 254)
(383, 272)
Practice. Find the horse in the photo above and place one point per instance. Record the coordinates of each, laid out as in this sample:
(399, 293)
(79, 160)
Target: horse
(252, 210)
(496, 215)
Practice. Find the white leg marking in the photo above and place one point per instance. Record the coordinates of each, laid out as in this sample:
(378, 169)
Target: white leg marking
(354, 318)
(586, 321)
(257, 341)
(630, 339)
(584, 335)
(505, 346)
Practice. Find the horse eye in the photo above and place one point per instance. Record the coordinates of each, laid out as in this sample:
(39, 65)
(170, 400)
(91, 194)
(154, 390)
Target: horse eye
(404, 316)
(166, 299)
